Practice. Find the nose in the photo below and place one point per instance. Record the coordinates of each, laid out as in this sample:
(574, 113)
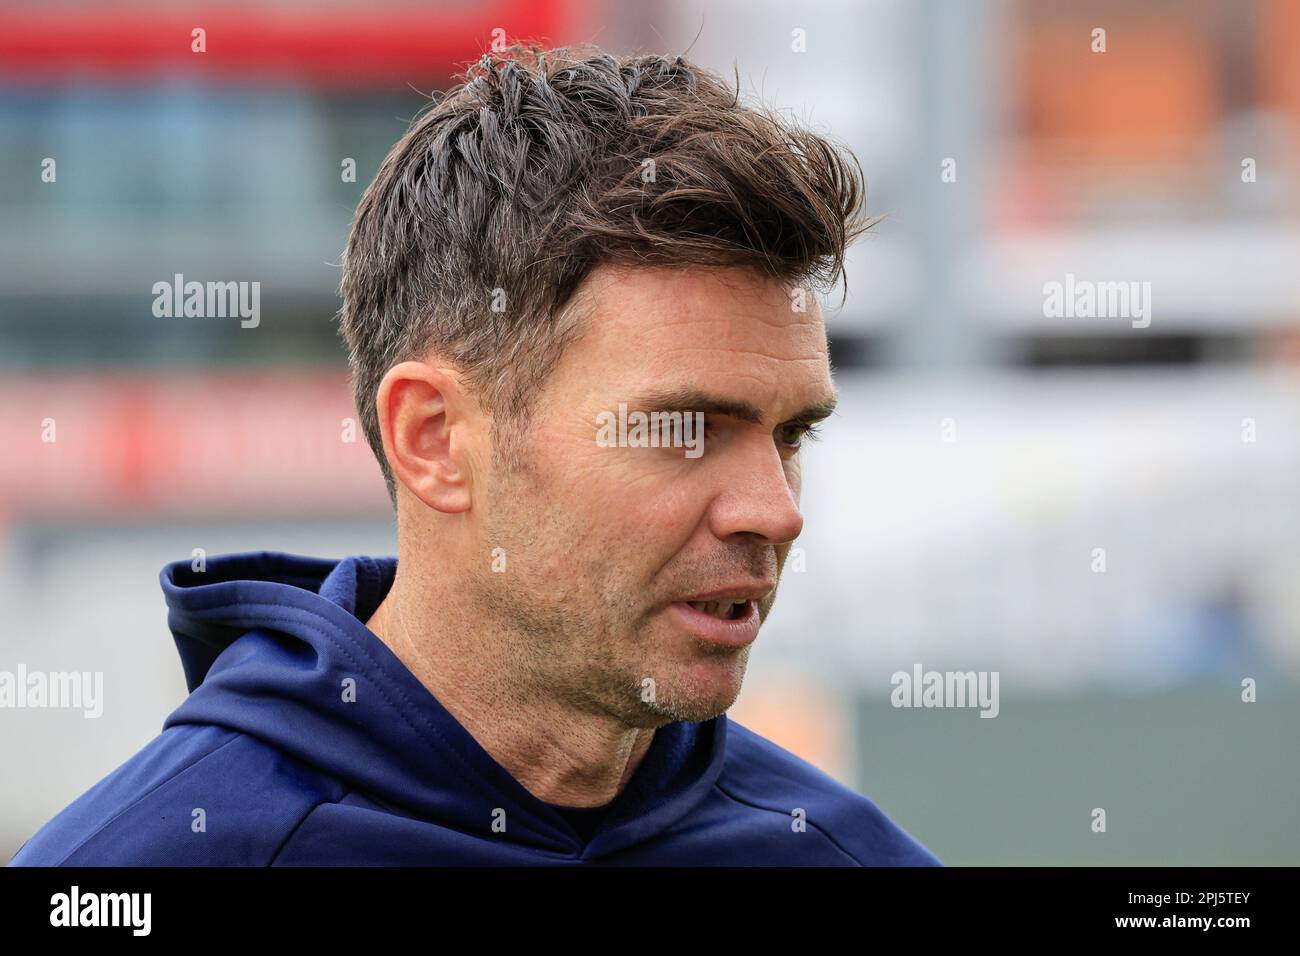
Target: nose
(759, 498)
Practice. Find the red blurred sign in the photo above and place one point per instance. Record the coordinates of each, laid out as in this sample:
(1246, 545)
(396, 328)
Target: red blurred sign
(331, 45)
(177, 443)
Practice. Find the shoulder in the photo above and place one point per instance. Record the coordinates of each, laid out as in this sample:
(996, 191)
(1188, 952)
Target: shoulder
(764, 775)
(196, 795)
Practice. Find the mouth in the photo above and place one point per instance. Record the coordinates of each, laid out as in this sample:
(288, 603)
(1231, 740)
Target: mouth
(723, 610)
(728, 623)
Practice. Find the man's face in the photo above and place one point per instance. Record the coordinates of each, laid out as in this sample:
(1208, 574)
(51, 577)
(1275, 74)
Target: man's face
(605, 545)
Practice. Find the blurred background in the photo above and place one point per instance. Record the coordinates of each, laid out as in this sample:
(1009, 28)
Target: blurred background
(984, 456)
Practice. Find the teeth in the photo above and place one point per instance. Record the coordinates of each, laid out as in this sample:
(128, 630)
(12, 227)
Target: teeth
(720, 609)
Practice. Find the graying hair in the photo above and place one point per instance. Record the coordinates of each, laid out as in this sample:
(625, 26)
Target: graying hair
(539, 165)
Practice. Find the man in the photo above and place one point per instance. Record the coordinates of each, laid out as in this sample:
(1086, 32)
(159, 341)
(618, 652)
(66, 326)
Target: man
(577, 299)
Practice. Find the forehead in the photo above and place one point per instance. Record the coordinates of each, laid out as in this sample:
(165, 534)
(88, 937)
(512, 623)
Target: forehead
(729, 329)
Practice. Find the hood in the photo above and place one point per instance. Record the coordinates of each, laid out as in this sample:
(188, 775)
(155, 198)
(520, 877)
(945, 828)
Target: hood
(270, 642)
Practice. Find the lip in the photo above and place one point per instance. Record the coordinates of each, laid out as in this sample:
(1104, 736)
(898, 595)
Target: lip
(730, 633)
(735, 592)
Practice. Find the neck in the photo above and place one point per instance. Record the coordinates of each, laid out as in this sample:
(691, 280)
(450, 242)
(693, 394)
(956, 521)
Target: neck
(559, 751)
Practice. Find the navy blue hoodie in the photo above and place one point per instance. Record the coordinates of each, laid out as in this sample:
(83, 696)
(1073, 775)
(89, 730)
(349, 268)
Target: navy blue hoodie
(273, 760)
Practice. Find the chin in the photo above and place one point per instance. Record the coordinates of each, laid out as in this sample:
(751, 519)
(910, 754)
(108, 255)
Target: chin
(701, 694)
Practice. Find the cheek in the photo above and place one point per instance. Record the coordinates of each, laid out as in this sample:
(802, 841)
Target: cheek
(637, 504)
(666, 520)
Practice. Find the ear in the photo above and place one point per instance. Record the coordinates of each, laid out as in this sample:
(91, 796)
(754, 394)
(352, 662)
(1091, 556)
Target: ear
(428, 422)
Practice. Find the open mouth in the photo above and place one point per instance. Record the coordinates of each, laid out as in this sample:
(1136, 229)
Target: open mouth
(723, 610)
(726, 623)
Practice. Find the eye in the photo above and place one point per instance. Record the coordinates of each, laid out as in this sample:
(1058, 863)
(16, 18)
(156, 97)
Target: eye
(793, 433)
(688, 423)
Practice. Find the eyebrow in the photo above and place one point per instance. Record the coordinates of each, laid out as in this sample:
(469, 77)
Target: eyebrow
(696, 400)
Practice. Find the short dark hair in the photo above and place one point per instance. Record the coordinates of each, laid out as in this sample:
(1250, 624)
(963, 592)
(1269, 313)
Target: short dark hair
(539, 165)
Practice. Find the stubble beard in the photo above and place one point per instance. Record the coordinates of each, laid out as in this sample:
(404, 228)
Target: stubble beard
(583, 638)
